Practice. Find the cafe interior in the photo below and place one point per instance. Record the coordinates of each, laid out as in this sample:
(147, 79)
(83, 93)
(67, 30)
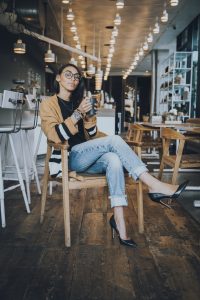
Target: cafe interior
(140, 63)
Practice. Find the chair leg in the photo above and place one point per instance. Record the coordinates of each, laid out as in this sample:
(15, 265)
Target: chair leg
(45, 184)
(19, 174)
(140, 207)
(65, 185)
(25, 169)
(37, 146)
(3, 219)
(161, 169)
(33, 163)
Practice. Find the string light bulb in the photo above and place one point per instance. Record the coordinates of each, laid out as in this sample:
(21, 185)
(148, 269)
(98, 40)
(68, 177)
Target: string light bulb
(70, 15)
(117, 20)
(120, 4)
(164, 17)
(173, 2)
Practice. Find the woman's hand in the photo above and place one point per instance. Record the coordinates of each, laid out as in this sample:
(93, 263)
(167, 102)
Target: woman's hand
(85, 105)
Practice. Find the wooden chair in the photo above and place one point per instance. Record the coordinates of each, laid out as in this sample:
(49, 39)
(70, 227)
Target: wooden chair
(72, 180)
(143, 138)
(178, 160)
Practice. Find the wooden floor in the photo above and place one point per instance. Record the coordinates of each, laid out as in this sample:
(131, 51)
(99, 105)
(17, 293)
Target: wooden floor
(35, 264)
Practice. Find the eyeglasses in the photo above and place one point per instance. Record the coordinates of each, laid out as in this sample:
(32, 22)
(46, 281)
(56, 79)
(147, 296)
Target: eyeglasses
(69, 75)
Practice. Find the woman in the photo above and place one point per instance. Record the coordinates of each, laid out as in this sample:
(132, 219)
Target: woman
(64, 118)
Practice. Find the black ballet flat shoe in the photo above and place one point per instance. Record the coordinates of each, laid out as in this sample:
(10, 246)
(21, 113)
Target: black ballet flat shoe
(129, 243)
(158, 197)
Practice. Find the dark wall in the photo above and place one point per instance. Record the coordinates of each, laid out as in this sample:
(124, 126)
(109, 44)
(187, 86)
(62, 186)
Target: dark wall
(16, 66)
(115, 87)
(142, 85)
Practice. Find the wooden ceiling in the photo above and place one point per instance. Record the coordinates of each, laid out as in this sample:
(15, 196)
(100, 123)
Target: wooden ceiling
(138, 16)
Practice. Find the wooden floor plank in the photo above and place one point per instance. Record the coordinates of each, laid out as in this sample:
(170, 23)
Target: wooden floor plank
(35, 265)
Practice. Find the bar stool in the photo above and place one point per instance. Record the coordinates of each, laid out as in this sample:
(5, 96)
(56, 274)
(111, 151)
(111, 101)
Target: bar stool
(29, 122)
(12, 104)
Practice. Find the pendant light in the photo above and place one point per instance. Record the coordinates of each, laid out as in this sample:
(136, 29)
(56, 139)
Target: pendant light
(164, 17)
(19, 47)
(70, 15)
(173, 2)
(120, 4)
(141, 52)
(91, 68)
(156, 29)
(73, 27)
(73, 61)
(115, 32)
(117, 20)
(145, 46)
(150, 38)
(49, 56)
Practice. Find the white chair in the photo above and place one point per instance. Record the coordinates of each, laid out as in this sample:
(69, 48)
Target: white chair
(10, 122)
(28, 123)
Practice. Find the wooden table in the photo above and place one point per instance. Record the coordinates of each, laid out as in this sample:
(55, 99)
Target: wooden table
(191, 127)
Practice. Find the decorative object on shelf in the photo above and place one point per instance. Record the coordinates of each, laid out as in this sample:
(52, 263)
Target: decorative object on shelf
(176, 84)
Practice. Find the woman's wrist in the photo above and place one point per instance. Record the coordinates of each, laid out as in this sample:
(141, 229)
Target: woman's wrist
(76, 116)
(82, 114)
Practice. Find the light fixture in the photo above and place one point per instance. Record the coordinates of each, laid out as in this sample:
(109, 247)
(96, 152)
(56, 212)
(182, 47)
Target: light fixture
(173, 2)
(137, 57)
(115, 32)
(141, 52)
(120, 4)
(73, 27)
(49, 56)
(73, 61)
(117, 20)
(75, 37)
(70, 15)
(156, 29)
(98, 79)
(19, 47)
(65, 1)
(112, 40)
(164, 17)
(145, 46)
(91, 70)
(112, 49)
(150, 38)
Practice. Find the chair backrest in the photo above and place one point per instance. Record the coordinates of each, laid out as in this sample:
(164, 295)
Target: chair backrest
(11, 110)
(30, 113)
(171, 134)
(134, 133)
(11, 99)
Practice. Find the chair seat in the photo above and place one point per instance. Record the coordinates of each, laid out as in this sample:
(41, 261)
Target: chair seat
(71, 180)
(86, 180)
(6, 129)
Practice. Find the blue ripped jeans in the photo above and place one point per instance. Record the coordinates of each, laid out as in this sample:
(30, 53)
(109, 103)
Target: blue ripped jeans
(108, 155)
